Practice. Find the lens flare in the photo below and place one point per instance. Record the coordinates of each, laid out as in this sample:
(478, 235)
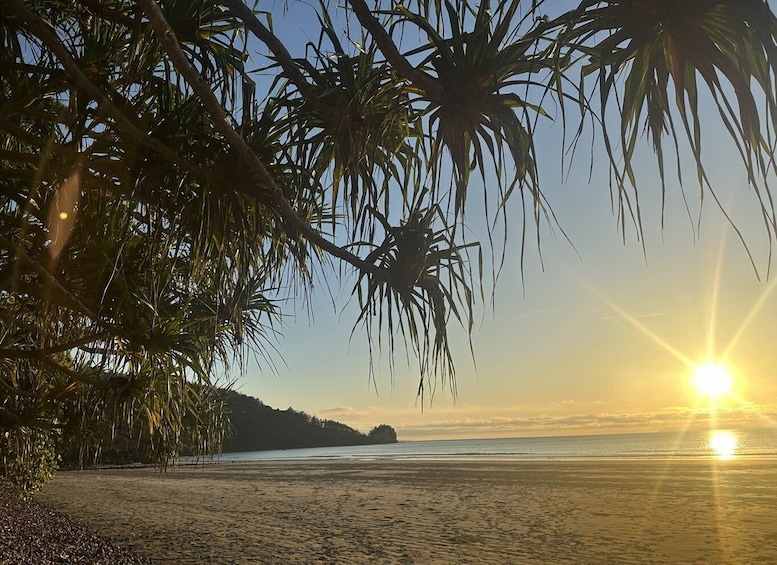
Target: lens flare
(62, 214)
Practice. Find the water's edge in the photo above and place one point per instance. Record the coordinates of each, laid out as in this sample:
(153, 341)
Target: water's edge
(720, 444)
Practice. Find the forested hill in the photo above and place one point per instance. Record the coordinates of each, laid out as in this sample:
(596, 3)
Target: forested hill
(258, 426)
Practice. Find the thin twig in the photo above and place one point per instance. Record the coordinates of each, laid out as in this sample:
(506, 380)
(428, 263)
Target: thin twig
(398, 62)
(329, 115)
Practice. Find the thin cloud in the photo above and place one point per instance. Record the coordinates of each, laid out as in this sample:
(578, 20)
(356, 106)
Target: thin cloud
(475, 421)
(636, 316)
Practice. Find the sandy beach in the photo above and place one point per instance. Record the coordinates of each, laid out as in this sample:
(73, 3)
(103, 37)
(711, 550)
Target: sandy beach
(697, 512)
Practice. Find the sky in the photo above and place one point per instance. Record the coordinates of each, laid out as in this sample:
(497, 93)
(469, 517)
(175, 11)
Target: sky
(599, 335)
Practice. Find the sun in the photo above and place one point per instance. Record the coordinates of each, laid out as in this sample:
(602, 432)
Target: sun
(723, 443)
(712, 380)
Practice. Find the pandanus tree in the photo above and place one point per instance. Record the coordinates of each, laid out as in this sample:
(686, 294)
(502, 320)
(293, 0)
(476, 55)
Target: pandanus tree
(170, 171)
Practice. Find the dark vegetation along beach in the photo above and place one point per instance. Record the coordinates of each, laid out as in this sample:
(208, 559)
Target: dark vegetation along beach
(256, 426)
(253, 426)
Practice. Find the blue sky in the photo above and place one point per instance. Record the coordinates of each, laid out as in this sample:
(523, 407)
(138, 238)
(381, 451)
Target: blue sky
(591, 339)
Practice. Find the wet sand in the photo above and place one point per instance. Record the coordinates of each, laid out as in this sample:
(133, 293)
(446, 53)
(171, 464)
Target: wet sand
(698, 512)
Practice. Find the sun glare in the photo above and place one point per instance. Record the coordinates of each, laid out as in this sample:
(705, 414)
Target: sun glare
(712, 380)
(723, 444)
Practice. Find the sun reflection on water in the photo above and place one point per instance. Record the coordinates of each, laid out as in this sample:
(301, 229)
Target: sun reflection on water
(723, 444)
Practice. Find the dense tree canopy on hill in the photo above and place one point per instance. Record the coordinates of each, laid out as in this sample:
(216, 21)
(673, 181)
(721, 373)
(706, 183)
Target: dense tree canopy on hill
(170, 169)
(256, 426)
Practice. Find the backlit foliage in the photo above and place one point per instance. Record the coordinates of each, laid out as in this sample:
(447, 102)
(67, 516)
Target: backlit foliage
(171, 170)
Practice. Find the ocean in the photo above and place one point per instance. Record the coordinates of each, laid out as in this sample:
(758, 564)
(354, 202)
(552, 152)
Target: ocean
(716, 444)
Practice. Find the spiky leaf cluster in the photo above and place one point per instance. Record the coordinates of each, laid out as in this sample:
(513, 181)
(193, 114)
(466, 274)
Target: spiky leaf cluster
(170, 169)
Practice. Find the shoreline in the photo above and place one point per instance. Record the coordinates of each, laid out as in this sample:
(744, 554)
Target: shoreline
(390, 511)
(460, 459)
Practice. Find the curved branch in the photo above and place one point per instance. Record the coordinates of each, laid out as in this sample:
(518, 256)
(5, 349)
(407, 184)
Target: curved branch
(99, 8)
(20, 254)
(167, 38)
(83, 82)
(16, 420)
(40, 353)
(261, 32)
(332, 117)
(75, 375)
(398, 62)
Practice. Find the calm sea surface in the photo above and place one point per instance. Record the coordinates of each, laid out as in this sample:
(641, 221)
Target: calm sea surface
(722, 444)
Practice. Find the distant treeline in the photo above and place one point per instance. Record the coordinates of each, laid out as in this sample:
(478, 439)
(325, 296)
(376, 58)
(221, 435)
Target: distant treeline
(257, 426)
(254, 427)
